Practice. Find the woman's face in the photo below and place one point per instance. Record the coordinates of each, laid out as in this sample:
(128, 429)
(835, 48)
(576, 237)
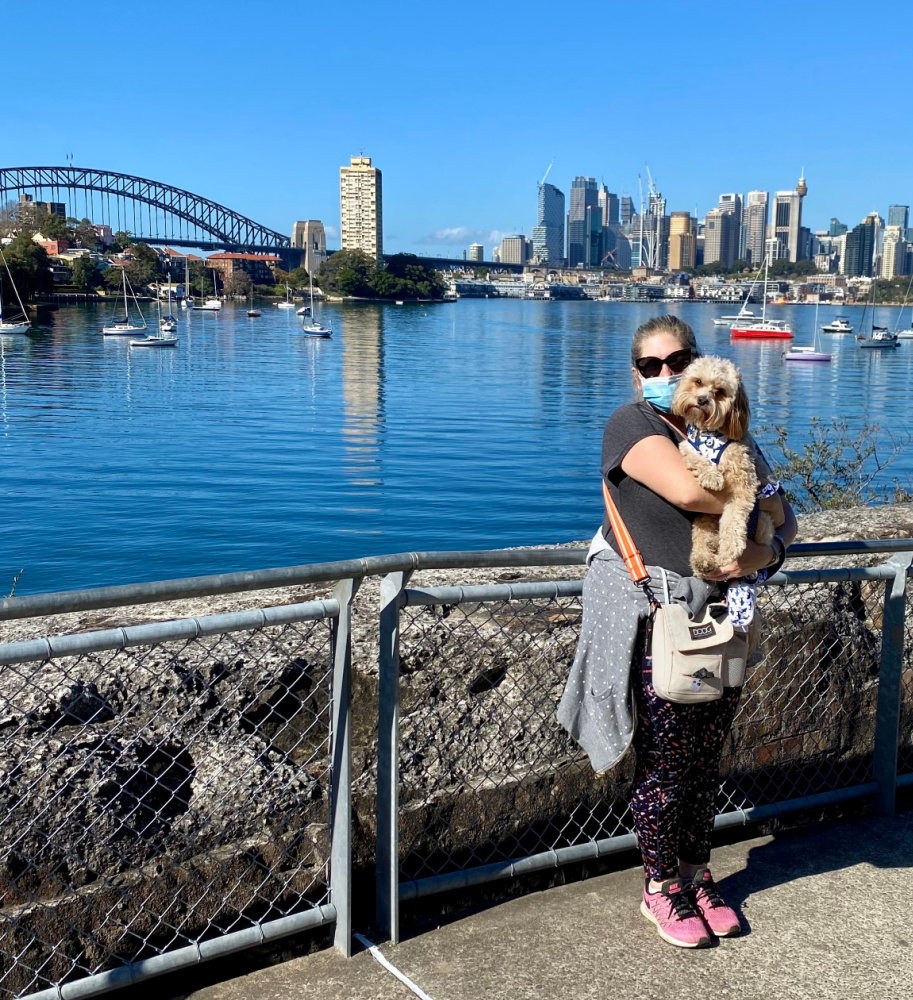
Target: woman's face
(660, 345)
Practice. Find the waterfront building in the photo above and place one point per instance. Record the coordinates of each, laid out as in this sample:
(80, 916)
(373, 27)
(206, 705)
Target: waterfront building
(893, 252)
(311, 237)
(861, 243)
(361, 207)
(786, 220)
(259, 266)
(681, 240)
(583, 196)
(594, 236)
(476, 252)
(732, 204)
(626, 209)
(608, 202)
(755, 226)
(899, 215)
(548, 234)
(514, 250)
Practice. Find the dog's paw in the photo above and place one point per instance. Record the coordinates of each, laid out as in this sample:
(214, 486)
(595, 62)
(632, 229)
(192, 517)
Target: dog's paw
(711, 478)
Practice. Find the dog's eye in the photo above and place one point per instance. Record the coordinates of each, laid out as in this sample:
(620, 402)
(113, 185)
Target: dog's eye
(720, 393)
(697, 381)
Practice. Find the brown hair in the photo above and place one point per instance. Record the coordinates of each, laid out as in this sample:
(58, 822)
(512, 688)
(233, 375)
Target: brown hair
(664, 324)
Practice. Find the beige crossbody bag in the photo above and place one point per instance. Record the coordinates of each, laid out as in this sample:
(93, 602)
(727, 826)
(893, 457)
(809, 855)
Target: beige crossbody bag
(693, 658)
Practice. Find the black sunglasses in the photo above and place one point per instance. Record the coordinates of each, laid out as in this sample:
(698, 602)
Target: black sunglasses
(677, 361)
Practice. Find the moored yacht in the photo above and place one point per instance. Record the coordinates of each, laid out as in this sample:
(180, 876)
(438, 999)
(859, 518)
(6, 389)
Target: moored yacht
(839, 325)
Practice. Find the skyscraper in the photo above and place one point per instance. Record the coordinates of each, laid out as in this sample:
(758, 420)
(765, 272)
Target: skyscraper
(893, 252)
(755, 226)
(627, 209)
(476, 252)
(721, 237)
(899, 215)
(361, 207)
(732, 203)
(583, 196)
(786, 220)
(608, 202)
(837, 228)
(310, 237)
(681, 241)
(548, 234)
(861, 241)
(514, 250)
(594, 237)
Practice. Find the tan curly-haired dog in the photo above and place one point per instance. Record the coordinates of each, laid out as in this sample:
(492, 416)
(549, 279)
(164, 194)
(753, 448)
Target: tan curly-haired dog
(711, 398)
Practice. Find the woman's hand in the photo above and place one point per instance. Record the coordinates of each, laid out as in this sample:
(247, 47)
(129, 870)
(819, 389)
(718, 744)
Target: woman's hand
(754, 557)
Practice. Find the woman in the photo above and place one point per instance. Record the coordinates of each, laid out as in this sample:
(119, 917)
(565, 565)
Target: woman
(678, 747)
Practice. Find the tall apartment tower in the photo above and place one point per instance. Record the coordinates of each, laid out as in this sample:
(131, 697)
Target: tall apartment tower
(786, 221)
(720, 237)
(893, 252)
(861, 244)
(583, 196)
(361, 207)
(548, 234)
(311, 237)
(681, 241)
(754, 226)
(476, 252)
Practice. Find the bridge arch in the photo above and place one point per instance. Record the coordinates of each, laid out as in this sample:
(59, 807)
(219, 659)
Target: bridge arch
(160, 213)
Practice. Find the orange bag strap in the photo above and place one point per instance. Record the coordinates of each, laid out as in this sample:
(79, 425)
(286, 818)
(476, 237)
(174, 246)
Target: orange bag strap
(629, 551)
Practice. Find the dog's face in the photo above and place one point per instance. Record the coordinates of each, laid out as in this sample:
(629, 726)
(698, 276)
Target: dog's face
(710, 396)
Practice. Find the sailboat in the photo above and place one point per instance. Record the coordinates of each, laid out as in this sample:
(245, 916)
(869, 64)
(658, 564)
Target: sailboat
(160, 339)
(807, 353)
(288, 304)
(187, 301)
(879, 337)
(213, 302)
(7, 326)
(763, 328)
(124, 327)
(253, 313)
(908, 333)
(310, 327)
(169, 323)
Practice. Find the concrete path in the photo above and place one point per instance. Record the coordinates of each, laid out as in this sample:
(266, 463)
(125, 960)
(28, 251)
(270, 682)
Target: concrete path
(827, 913)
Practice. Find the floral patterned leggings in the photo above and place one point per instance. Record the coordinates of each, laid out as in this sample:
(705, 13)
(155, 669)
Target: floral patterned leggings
(677, 775)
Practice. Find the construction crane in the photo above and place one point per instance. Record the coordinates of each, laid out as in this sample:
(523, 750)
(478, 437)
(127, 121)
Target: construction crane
(547, 172)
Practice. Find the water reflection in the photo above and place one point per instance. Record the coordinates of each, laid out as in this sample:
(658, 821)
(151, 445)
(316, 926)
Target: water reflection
(363, 396)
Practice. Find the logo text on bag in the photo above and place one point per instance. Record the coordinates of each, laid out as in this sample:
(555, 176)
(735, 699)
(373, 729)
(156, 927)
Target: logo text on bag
(702, 631)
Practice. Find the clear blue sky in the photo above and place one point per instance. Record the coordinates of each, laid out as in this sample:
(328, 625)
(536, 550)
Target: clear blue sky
(464, 105)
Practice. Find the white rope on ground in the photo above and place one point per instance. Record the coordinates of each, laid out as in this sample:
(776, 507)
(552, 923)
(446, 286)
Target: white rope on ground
(390, 967)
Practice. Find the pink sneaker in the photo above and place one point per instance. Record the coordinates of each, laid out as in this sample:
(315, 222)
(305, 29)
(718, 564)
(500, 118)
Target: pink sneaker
(720, 918)
(675, 915)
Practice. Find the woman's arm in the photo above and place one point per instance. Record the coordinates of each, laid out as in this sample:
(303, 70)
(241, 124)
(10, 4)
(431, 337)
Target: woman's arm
(756, 556)
(656, 463)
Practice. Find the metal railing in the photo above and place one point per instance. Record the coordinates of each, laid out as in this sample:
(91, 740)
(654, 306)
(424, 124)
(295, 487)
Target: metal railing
(177, 791)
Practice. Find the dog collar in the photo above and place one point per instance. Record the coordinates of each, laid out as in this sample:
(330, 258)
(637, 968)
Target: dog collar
(710, 444)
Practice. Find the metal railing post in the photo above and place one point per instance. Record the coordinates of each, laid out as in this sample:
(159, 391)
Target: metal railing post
(387, 854)
(341, 794)
(890, 679)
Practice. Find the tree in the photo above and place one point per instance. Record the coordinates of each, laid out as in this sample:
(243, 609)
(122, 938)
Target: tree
(347, 272)
(122, 240)
(30, 267)
(838, 466)
(85, 274)
(406, 276)
(298, 277)
(238, 283)
(85, 235)
(53, 227)
(144, 268)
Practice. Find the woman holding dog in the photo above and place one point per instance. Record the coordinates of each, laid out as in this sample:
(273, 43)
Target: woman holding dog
(678, 746)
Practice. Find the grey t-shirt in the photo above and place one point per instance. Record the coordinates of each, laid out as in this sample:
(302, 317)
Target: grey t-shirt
(660, 530)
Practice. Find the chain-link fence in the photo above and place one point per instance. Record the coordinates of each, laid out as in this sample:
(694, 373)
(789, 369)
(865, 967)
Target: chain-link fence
(905, 748)
(490, 785)
(164, 787)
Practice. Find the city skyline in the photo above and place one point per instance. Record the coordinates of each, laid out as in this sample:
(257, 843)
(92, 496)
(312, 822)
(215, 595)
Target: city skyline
(273, 153)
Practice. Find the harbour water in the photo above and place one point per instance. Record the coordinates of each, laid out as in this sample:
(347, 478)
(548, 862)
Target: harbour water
(468, 425)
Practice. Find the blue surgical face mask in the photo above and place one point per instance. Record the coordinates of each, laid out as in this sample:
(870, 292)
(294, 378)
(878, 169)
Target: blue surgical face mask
(659, 391)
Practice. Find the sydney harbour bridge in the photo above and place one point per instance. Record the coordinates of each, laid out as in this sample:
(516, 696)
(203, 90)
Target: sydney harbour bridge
(153, 212)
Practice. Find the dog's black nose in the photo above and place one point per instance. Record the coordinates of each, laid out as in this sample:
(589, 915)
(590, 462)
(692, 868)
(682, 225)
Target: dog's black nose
(703, 400)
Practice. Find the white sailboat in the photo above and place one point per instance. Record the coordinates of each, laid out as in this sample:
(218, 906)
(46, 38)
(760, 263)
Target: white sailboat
(908, 333)
(169, 323)
(213, 303)
(8, 326)
(160, 339)
(124, 327)
(879, 337)
(288, 304)
(812, 353)
(310, 327)
(187, 301)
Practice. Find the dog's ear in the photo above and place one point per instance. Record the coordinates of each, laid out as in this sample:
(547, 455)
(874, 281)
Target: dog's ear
(736, 426)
